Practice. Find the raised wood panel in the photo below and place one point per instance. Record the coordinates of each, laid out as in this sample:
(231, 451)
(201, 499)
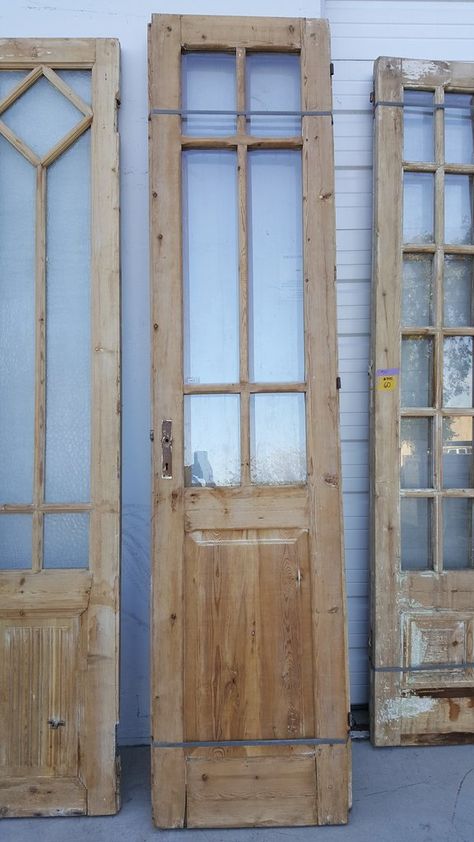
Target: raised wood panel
(427, 716)
(42, 796)
(264, 791)
(246, 508)
(40, 681)
(437, 639)
(248, 632)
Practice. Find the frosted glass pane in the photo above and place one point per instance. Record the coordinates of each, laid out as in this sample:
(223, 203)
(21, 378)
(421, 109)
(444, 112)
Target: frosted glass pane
(68, 352)
(66, 540)
(274, 84)
(42, 116)
(417, 290)
(415, 523)
(417, 372)
(210, 263)
(15, 541)
(459, 129)
(9, 79)
(416, 453)
(80, 81)
(458, 195)
(457, 371)
(17, 325)
(418, 126)
(212, 440)
(457, 534)
(277, 439)
(457, 452)
(275, 267)
(418, 207)
(458, 304)
(209, 84)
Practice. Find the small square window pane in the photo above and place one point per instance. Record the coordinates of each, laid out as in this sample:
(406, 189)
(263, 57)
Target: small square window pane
(66, 540)
(418, 207)
(459, 129)
(457, 452)
(15, 541)
(457, 297)
(416, 543)
(277, 439)
(212, 440)
(417, 372)
(458, 198)
(418, 126)
(416, 453)
(209, 84)
(274, 84)
(457, 371)
(417, 290)
(457, 534)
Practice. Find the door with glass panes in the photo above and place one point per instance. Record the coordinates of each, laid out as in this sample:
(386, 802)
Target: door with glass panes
(250, 702)
(423, 480)
(59, 426)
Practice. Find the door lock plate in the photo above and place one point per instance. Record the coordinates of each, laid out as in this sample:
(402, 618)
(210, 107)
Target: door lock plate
(166, 449)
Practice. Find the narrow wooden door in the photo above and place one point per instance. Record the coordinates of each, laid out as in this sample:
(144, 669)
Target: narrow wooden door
(59, 427)
(423, 479)
(250, 702)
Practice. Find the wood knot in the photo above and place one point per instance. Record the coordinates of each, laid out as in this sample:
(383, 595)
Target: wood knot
(173, 618)
(331, 479)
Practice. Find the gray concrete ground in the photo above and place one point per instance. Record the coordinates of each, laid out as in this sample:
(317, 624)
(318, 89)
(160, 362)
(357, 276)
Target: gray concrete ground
(400, 795)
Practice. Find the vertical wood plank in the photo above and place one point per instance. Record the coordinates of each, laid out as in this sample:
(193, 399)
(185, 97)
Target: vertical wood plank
(324, 472)
(101, 714)
(167, 401)
(40, 369)
(387, 268)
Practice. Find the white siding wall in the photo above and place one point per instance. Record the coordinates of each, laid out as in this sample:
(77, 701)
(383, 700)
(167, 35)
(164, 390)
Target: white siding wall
(361, 30)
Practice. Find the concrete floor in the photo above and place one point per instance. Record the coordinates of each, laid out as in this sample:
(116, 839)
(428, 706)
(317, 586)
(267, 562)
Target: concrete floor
(400, 795)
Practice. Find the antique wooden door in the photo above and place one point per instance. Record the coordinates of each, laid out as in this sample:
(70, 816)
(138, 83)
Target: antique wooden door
(59, 427)
(422, 470)
(250, 701)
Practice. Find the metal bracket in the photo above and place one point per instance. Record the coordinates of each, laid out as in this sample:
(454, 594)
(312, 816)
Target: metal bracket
(166, 449)
(55, 722)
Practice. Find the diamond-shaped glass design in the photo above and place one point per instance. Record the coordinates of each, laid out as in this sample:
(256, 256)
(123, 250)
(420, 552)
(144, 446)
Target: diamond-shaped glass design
(41, 117)
(9, 79)
(80, 81)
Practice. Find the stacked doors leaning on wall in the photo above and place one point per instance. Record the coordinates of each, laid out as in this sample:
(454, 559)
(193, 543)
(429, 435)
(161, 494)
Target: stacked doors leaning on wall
(59, 427)
(250, 699)
(422, 442)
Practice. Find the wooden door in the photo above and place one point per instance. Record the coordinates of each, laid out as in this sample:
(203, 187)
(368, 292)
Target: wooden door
(250, 701)
(422, 470)
(59, 427)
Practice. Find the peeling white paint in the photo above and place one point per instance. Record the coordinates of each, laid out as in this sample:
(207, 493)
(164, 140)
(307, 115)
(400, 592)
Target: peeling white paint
(414, 70)
(406, 707)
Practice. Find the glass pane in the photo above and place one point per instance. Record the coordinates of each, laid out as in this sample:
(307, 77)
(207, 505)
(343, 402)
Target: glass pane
(457, 534)
(418, 126)
(458, 129)
(275, 267)
(457, 452)
(212, 440)
(210, 264)
(417, 372)
(277, 439)
(415, 522)
(209, 84)
(9, 79)
(68, 353)
(42, 116)
(458, 277)
(80, 81)
(66, 540)
(457, 371)
(458, 209)
(274, 84)
(417, 290)
(15, 541)
(416, 454)
(418, 207)
(17, 325)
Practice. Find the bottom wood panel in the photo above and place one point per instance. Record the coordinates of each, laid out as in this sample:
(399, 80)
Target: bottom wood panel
(42, 796)
(251, 791)
(427, 719)
(251, 786)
